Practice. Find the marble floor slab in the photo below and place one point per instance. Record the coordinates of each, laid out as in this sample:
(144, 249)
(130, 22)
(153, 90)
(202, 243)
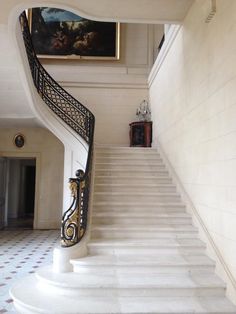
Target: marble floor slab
(21, 253)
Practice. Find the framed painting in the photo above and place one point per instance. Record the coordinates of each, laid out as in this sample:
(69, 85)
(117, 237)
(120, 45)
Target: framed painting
(61, 34)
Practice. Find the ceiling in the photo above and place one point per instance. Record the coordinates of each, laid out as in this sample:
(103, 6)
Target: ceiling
(146, 11)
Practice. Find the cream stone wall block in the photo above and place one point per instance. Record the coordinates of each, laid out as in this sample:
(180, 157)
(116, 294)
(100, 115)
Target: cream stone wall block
(114, 109)
(193, 100)
(49, 153)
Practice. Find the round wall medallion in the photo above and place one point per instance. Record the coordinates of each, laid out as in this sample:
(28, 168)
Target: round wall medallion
(19, 140)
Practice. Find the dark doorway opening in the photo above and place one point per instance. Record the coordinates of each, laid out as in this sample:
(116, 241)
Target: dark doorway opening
(29, 190)
(20, 198)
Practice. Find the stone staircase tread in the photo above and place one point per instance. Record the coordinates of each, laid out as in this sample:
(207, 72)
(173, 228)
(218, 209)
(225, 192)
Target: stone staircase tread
(143, 261)
(103, 234)
(129, 154)
(125, 176)
(131, 162)
(150, 228)
(115, 280)
(120, 156)
(144, 205)
(133, 170)
(141, 215)
(139, 211)
(121, 160)
(131, 193)
(138, 184)
(126, 188)
(148, 223)
(146, 243)
(37, 300)
(137, 204)
(110, 208)
(130, 149)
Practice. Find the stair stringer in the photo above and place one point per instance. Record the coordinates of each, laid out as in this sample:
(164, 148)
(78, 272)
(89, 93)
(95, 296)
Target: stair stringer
(221, 269)
(75, 147)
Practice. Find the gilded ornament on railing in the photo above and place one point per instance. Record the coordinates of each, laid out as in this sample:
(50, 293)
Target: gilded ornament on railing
(73, 188)
(70, 219)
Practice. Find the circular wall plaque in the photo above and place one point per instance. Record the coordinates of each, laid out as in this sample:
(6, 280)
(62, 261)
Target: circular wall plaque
(19, 140)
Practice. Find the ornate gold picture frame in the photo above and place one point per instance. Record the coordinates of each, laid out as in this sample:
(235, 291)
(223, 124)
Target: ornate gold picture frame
(60, 34)
(19, 140)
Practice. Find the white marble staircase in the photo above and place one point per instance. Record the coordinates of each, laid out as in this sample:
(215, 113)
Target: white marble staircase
(144, 253)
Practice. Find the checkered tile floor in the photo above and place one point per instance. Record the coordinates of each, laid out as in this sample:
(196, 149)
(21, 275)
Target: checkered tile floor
(21, 253)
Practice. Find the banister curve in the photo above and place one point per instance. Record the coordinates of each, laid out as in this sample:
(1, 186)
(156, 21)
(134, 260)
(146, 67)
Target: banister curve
(82, 121)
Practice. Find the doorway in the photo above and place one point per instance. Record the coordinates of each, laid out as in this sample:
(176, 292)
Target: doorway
(3, 173)
(20, 193)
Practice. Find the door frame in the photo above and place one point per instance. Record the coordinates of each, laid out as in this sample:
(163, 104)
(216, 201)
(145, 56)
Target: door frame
(4, 164)
(37, 157)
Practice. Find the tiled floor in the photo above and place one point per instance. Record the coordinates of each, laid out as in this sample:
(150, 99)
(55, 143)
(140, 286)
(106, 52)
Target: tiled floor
(21, 253)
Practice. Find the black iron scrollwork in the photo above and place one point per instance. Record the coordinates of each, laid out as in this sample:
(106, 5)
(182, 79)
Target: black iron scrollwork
(82, 121)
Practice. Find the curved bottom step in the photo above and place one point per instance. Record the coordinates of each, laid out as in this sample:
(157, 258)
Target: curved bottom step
(36, 300)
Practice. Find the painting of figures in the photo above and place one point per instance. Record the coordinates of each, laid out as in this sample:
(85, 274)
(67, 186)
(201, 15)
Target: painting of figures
(57, 33)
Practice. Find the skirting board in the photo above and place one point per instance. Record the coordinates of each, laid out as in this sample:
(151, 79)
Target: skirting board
(212, 250)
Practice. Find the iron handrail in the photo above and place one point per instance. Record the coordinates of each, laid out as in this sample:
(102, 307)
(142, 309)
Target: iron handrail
(82, 121)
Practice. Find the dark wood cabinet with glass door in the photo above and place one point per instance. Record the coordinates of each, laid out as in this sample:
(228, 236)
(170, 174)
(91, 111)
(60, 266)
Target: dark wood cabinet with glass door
(141, 134)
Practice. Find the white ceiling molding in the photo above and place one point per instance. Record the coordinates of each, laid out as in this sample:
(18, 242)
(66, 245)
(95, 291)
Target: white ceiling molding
(136, 11)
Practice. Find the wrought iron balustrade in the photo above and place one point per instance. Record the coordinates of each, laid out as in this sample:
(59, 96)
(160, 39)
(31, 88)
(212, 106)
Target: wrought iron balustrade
(82, 121)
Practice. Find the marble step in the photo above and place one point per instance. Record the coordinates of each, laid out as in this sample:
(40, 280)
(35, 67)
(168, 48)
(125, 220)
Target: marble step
(126, 264)
(137, 207)
(142, 214)
(176, 229)
(120, 157)
(141, 218)
(36, 301)
(107, 158)
(141, 209)
(129, 161)
(111, 283)
(135, 187)
(126, 150)
(130, 180)
(146, 246)
(130, 166)
(148, 222)
(111, 232)
(142, 197)
(135, 172)
(144, 227)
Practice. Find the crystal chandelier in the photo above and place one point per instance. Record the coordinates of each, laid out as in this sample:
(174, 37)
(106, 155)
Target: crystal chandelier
(143, 111)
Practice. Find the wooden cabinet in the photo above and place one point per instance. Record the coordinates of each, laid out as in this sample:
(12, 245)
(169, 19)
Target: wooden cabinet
(141, 134)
